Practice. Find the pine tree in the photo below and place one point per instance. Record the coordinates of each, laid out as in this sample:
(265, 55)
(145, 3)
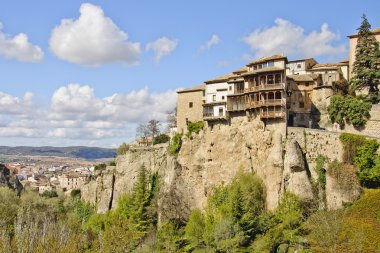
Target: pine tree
(366, 70)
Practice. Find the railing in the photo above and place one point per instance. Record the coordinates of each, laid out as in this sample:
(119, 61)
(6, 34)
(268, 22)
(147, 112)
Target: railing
(239, 106)
(274, 86)
(267, 102)
(272, 114)
(210, 116)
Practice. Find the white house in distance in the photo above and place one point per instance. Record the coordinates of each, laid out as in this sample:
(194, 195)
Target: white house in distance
(214, 107)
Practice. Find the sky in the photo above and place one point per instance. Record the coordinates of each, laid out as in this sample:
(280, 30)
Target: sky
(87, 73)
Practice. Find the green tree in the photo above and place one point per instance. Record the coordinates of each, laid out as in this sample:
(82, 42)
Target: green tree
(162, 138)
(366, 70)
(169, 237)
(194, 229)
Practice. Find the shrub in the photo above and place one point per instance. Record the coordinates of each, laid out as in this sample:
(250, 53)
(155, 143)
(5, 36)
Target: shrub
(75, 193)
(101, 166)
(194, 127)
(320, 169)
(175, 144)
(349, 109)
(122, 149)
(162, 138)
(50, 194)
(350, 144)
(112, 163)
(344, 174)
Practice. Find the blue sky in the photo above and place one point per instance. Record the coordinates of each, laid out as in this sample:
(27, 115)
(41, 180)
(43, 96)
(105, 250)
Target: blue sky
(69, 83)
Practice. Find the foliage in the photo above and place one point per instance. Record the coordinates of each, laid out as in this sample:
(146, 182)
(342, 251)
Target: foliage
(175, 144)
(341, 87)
(194, 127)
(122, 149)
(344, 174)
(75, 193)
(320, 169)
(153, 127)
(162, 138)
(362, 153)
(50, 194)
(101, 166)
(366, 70)
(194, 229)
(349, 109)
(170, 237)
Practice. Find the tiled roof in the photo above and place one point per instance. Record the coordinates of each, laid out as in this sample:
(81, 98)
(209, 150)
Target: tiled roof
(220, 78)
(263, 70)
(195, 88)
(326, 66)
(374, 31)
(269, 58)
(303, 78)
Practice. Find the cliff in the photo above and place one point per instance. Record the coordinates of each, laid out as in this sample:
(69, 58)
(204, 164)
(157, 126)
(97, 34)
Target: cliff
(9, 179)
(284, 161)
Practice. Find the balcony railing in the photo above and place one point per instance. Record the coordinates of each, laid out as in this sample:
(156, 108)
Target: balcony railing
(272, 114)
(211, 116)
(267, 102)
(275, 86)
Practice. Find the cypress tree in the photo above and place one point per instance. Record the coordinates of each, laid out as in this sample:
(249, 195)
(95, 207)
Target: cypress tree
(366, 70)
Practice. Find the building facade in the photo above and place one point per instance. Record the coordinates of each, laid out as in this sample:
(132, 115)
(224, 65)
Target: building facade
(189, 106)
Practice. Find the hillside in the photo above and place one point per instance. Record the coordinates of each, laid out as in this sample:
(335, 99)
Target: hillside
(88, 153)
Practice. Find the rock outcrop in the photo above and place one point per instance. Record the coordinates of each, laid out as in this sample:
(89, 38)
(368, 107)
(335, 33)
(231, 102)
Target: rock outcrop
(284, 161)
(9, 179)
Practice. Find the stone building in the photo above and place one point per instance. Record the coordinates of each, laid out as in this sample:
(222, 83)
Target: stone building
(189, 106)
(71, 181)
(353, 42)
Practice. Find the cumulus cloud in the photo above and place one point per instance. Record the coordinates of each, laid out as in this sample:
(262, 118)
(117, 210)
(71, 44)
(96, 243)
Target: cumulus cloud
(214, 40)
(77, 114)
(93, 39)
(14, 105)
(162, 47)
(19, 48)
(286, 37)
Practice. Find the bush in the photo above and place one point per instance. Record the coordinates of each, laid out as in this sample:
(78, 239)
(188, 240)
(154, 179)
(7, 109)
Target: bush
(50, 194)
(344, 174)
(349, 109)
(350, 144)
(122, 149)
(320, 169)
(112, 163)
(75, 193)
(162, 138)
(101, 166)
(175, 144)
(194, 127)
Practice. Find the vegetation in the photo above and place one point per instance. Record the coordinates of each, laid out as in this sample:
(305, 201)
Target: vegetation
(175, 144)
(162, 138)
(235, 220)
(362, 153)
(149, 129)
(100, 167)
(320, 169)
(122, 149)
(366, 69)
(194, 127)
(352, 110)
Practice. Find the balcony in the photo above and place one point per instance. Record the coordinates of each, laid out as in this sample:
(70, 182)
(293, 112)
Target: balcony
(267, 102)
(262, 87)
(211, 116)
(272, 114)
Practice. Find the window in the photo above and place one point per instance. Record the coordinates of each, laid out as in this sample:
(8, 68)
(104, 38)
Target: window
(222, 97)
(204, 93)
(191, 105)
(271, 64)
(260, 66)
(230, 87)
(213, 97)
(298, 65)
(254, 67)
(277, 78)
(220, 111)
(270, 79)
(301, 105)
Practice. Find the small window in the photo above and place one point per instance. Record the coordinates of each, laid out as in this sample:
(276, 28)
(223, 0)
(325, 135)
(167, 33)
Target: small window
(254, 67)
(271, 64)
(191, 105)
(204, 93)
(230, 87)
(260, 66)
(299, 65)
(301, 105)
(213, 97)
(220, 111)
(222, 97)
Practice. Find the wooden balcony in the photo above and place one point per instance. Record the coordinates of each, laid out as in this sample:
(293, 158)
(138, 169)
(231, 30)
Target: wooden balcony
(272, 114)
(262, 87)
(267, 102)
(211, 116)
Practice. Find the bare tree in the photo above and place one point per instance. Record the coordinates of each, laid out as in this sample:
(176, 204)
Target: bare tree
(153, 127)
(142, 131)
(171, 118)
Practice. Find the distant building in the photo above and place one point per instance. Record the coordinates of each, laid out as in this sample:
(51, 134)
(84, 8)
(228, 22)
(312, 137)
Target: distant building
(71, 181)
(189, 106)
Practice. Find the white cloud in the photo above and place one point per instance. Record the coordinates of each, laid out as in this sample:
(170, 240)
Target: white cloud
(162, 47)
(78, 115)
(14, 105)
(214, 40)
(286, 37)
(19, 48)
(92, 39)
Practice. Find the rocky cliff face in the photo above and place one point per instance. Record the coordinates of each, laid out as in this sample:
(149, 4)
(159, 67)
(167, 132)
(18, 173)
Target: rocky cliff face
(212, 157)
(9, 179)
